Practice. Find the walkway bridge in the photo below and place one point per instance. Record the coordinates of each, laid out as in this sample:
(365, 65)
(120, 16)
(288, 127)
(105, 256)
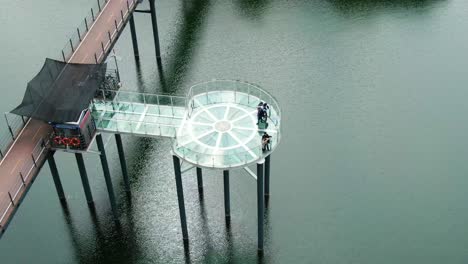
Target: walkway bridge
(24, 155)
(213, 127)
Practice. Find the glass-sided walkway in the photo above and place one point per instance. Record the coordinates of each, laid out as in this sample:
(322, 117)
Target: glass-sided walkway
(215, 126)
(140, 114)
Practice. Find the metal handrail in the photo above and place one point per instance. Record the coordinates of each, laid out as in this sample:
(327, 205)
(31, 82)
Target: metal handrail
(78, 35)
(123, 18)
(22, 179)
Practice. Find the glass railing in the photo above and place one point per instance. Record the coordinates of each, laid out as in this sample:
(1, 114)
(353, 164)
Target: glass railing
(212, 152)
(134, 103)
(11, 198)
(242, 93)
(226, 158)
(137, 127)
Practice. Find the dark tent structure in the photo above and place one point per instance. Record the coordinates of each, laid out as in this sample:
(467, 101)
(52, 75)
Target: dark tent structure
(61, 91)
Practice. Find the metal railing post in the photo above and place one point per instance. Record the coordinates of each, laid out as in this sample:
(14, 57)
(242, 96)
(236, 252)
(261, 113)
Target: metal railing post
(71, 44)
(109, 34)
(22, 178)
(99, 5)
(11, 199)
(63, 55)
(1, 154)
(121, 14)
(86, 23)
(34, 161)
(159, 106)
(116, 27)
(102, 46)
(79, 35)
(92, 14)
(172, 107)
(95, 58)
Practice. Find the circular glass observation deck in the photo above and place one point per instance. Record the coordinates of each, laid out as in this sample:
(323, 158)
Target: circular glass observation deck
(220, 129)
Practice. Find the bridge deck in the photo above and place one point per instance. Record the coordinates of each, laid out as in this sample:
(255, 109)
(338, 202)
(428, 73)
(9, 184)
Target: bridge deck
(27, 144)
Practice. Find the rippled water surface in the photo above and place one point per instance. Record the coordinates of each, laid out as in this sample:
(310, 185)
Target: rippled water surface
(372, 167)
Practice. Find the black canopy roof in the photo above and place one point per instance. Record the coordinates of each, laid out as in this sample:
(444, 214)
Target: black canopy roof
(60, 91)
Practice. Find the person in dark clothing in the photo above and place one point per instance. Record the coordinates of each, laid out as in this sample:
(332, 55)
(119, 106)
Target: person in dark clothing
(266, 141)
(260, 112)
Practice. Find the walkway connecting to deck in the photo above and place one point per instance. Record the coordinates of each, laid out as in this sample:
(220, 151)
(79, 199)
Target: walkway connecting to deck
(214, 127)
(23, 160)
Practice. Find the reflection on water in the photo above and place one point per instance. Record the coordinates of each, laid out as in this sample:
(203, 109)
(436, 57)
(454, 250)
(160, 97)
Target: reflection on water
(252, 9)
(367, 6)
(195, 13)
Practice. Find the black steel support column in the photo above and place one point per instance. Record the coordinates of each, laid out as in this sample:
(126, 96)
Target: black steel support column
(105, 168)
(180, 196)
(267, 175)
(227, 200)
(56, 177)
(84, 177)
(199, 179)
(260, 204)
(123, 163)
(136, 53)
(155, 29)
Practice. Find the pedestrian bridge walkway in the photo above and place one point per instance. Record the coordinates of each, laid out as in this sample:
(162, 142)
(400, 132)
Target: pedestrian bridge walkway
(215, 126)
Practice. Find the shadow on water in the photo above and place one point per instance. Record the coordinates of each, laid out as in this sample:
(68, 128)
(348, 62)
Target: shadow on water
(252, 9)
(109, 243)
(179, 62)
(351, 7)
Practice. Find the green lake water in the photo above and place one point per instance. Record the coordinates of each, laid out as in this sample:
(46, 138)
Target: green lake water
(372, 167)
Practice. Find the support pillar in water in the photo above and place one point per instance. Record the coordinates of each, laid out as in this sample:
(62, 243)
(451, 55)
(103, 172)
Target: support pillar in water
(267, 175)
(105, 168)
(56, 177)
(123, 163)
(155, 30)
(260, 204)
(136, 52)
(199, 179)
(227, 200)
(180, 196)
(84, 177)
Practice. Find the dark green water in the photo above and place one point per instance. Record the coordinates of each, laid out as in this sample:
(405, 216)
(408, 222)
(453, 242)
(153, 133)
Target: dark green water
(373, 163)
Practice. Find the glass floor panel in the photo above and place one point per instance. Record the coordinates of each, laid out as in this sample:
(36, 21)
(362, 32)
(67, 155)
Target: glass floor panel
(222, 131)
